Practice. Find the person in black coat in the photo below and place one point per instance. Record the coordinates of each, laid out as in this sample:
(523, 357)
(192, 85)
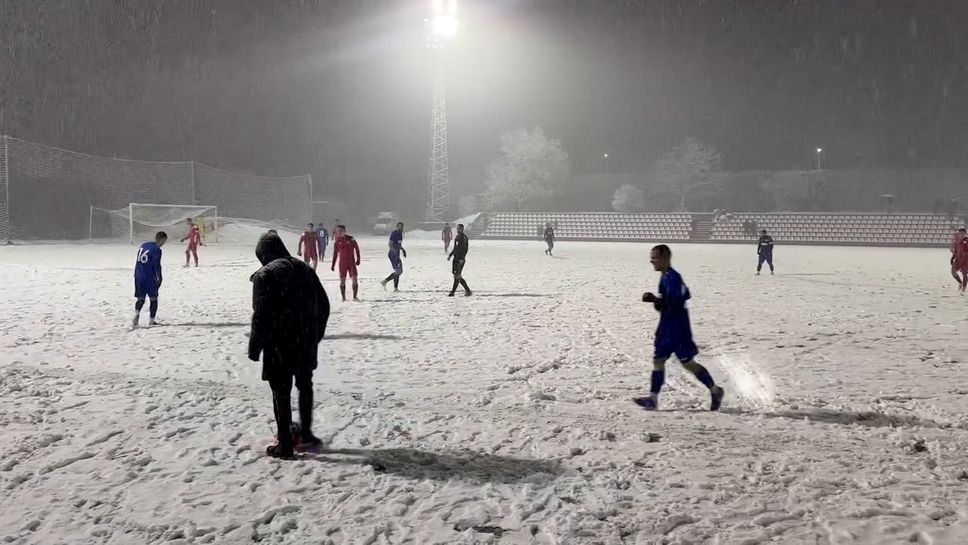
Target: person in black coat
(290, 311)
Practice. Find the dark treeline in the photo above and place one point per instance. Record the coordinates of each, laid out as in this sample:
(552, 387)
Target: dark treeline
(341, 89)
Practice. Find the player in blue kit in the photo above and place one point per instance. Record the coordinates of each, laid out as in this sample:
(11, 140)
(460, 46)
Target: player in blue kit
(764, 249)
(549, 238)
(396, 248)
(147, 277)
(674, 334)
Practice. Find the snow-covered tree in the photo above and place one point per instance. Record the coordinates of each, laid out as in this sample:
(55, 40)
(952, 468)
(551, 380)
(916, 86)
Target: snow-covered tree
(628, 198)
(687, 167)
(530, 167)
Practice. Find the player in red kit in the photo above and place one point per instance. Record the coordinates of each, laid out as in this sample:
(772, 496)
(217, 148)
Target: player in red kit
(309, 246)
(348, 252)
(959, 259)
(446, 235)
(194, 238)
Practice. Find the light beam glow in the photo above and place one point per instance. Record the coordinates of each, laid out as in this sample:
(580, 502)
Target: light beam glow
(444, 22)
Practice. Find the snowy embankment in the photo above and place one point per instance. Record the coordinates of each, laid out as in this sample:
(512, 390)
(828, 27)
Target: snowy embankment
(500, 418)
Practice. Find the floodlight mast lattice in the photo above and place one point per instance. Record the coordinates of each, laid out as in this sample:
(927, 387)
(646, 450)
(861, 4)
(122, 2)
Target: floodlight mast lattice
(441, 26)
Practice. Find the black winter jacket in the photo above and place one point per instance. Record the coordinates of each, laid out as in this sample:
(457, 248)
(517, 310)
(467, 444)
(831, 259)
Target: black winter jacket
(290, 311)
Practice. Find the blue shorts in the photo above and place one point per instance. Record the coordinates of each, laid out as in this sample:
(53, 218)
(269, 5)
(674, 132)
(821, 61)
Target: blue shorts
(145, 288)
(682, 346)
(396, 263)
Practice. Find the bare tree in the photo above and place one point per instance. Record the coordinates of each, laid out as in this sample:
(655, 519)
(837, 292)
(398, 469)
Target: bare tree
(530, 166)
(628, 198)
(687, 167)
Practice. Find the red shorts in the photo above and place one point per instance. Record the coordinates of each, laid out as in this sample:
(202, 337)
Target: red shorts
(192, 247)
(347, 269)
(960, 265)
(310, 256)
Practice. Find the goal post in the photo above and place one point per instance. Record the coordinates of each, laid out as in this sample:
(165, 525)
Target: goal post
(142, 220)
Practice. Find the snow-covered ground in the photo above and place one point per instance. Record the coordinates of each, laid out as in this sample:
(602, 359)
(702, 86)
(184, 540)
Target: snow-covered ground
(499, 418)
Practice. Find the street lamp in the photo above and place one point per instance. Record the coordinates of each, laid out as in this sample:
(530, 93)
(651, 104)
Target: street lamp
(605, 162)
(819, 158)
(441, 26)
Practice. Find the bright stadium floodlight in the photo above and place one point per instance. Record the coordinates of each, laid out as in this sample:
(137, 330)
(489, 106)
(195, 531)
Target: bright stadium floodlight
(444, 22)
(441, 26)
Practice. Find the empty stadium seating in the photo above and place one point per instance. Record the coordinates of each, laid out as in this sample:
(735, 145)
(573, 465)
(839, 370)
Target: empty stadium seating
(591, 226)
(795, 228)
(870, 229)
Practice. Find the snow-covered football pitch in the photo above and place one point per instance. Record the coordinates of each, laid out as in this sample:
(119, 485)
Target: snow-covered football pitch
(505, 417)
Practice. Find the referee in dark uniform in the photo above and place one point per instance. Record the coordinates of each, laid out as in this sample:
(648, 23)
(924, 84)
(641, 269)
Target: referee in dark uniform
(459, 253)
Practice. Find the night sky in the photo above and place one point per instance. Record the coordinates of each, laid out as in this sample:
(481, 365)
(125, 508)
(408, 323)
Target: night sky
(342, 89)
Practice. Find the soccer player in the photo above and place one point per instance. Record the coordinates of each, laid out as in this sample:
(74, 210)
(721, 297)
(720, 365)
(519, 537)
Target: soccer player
(323, 236)
(674, 334)
(764, 249)
(290, 311)
(459, 253)
(446, 235)
(308, 244)
(396, 248)
(194, 238)
(147, 277)
(348, 252)
(549, 237)
(959, 259)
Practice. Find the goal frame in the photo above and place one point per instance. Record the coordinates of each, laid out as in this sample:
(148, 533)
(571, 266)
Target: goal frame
(131, 221)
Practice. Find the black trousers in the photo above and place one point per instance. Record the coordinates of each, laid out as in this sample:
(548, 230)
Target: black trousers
(282, 406)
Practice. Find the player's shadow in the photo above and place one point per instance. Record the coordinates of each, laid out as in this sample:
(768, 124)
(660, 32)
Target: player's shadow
(208, 324)
(870, 419)
(442, 290)
(361, 336)
(419, 464)
(479, 294)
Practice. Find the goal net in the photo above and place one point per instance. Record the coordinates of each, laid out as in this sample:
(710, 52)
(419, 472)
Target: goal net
(141, 221)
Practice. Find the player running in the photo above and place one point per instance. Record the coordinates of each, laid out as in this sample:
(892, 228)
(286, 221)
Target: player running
(549, 237)
(308, 246)
(446, 235)
(674, 334)
(764, 249)
(147, 277)
(959, 259)
(322, 236)
(459, 254)
(396, 248)
(348, 252)
(194, 238)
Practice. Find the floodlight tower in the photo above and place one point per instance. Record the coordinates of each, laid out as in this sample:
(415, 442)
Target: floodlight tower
(441, 27)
